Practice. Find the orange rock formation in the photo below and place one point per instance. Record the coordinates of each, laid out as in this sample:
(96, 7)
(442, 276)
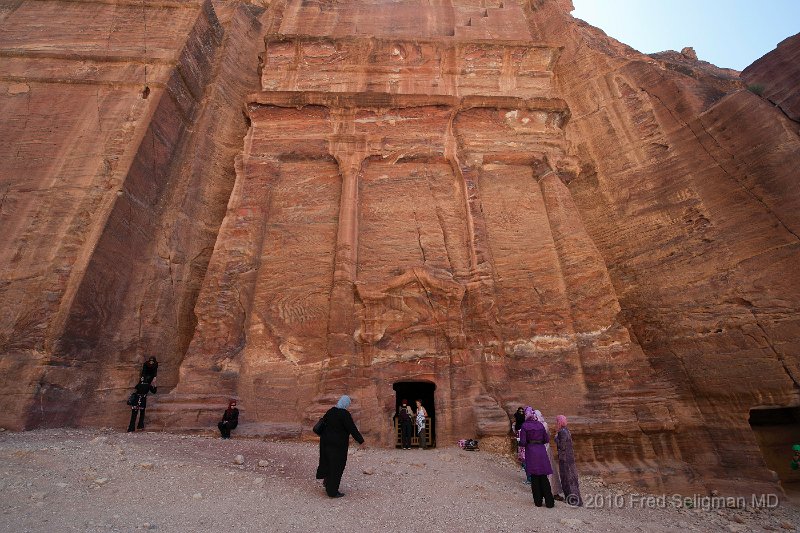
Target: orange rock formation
(488, 196)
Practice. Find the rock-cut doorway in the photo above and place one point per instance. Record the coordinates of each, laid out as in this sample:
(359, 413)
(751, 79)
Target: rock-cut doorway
(776, 430)
(418, 390)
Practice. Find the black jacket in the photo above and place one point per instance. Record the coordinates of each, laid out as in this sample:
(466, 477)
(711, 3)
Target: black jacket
(232, 418)
(142, 389)
(149, 371)
(339, 426)
(519, 419)
(334, 441)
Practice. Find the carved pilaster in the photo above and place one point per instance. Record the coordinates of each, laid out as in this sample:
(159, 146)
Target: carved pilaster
(349, 151)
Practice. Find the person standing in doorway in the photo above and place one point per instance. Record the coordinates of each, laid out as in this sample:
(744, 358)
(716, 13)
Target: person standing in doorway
(337, 427)
(404, 416)
(140, 403)
(422, 414)
(533, 437)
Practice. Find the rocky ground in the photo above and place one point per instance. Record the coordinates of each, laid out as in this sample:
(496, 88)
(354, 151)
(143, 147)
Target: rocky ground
(104, 480)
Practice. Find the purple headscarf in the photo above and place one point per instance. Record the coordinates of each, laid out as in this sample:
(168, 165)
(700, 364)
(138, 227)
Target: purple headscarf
(530, 413)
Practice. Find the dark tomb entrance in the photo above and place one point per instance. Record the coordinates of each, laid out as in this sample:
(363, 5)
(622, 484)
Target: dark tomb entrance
(413, 391)
(776, 430)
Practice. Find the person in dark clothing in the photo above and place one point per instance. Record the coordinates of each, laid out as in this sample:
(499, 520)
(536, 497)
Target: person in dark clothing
(230, 419)
(533, 436)
(519, 419)
(404, 414)
(334, 440)
(566, 463)
(140, 403)
(150, 370)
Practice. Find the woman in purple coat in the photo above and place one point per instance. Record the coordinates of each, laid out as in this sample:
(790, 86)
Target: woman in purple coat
(533, 437)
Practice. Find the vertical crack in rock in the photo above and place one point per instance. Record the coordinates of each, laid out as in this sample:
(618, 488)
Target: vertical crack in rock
(3, 198)
(419, 238)
(175, 297)
(778, 354)
(99, 114)
(433, 309)
(439, 217)
(444, 238)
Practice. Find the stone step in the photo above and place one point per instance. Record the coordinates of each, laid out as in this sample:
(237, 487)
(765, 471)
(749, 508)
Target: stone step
(200, 413)
(191, 413)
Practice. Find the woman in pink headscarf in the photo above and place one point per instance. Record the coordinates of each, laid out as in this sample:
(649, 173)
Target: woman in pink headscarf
(555, 481)
(566, 463)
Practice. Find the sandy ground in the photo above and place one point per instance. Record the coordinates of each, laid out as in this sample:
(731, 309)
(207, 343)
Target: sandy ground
(105, 480)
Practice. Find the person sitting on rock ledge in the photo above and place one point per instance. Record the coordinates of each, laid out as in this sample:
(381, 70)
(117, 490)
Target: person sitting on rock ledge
(230, 419)
(139, 403)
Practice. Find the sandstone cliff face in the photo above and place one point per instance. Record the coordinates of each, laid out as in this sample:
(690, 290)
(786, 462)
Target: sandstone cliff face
(489, 196)
(122, 133)
(688, 191)
(775, 76)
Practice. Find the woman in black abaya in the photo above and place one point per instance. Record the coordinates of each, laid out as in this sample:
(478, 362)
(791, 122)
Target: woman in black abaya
(334, 440)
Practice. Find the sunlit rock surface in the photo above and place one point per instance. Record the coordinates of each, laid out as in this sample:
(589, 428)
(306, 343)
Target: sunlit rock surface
(286, 202)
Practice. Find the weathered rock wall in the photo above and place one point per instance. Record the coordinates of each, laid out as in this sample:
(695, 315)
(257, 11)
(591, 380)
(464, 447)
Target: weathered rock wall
(688, 192)
(112, 200)
(429, 176)
(775, 76)
(485, 195)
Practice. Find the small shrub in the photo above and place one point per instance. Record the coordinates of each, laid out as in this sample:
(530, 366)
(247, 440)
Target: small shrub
(756, 88)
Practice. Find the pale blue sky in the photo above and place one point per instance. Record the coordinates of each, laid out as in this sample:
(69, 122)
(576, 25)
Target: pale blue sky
(728, 33)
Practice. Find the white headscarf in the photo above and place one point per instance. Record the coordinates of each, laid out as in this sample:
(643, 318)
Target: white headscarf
(539, 418)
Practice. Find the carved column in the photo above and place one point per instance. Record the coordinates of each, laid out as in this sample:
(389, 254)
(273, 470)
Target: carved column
(349, 151)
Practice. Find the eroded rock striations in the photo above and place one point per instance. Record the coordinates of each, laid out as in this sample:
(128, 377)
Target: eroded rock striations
(123, 120)
(488, 196)
(775, 76)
